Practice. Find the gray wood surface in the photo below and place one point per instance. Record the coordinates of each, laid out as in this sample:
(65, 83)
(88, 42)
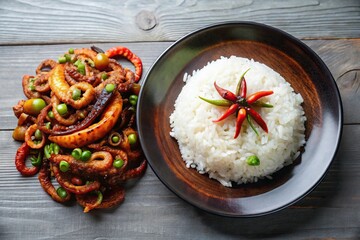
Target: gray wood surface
(31, 31)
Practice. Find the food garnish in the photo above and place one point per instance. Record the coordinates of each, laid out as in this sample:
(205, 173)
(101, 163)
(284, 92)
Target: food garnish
(241, 105)
(78, 126)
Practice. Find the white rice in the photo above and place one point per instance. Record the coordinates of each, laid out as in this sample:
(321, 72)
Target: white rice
(211, 148)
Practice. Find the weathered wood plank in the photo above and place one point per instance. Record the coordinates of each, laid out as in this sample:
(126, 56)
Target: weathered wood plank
(341, 56)
(151, 211)
(44, 22)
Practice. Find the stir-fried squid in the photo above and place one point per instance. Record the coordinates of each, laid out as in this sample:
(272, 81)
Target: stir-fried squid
(78, 126)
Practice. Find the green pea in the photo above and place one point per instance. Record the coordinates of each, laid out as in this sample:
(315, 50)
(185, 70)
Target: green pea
(133, 100)
(110, 87)
(31, 87)
(71, 50)
(76, 153)
(38, 134)
(50, 114)
(64, 166)
(85, 155)
(81, 68)
(61, 192)
(104, 76)
(118, 163)
(62, 109)
(132, 138)
(62, 59)
(76, 94)
(67, 57)
(115, 139)
(253, 160)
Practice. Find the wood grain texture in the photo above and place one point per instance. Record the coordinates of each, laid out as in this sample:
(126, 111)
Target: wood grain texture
(27, 22)
(151, 211)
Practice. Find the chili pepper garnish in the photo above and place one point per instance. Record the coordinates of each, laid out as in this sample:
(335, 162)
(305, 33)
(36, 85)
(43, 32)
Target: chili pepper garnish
(241, 105)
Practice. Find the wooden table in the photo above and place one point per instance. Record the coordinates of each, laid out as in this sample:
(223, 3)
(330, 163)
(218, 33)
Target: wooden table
(34, 30)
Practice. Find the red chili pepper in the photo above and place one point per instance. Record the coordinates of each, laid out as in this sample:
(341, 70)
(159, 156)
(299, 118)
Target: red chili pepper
(256, 96)
(20, 158)
(258, 119)
(239, 121)
(241, 104)
(225, 93)
(232, 109)
(243, 89)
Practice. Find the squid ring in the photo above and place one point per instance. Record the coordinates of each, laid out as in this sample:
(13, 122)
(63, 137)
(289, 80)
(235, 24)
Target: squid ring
(28, 134)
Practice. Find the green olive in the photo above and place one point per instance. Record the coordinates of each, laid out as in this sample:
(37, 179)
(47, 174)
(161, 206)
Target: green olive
(101, 61)
(62, 109)
(33, 106)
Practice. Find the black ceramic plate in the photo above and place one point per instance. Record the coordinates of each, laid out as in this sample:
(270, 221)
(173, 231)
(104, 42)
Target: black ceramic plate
(296, 62)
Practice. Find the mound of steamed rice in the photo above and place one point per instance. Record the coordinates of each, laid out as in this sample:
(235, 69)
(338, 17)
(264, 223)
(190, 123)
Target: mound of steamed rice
(211, 148)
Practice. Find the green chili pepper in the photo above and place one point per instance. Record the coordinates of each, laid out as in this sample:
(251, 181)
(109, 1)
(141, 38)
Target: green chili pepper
(262, 104)
(238, 86)
(253, 160)
(248, 118)
(99, 197)
(47, 153)
(36, 161)
(56, 148)
(218, 102)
